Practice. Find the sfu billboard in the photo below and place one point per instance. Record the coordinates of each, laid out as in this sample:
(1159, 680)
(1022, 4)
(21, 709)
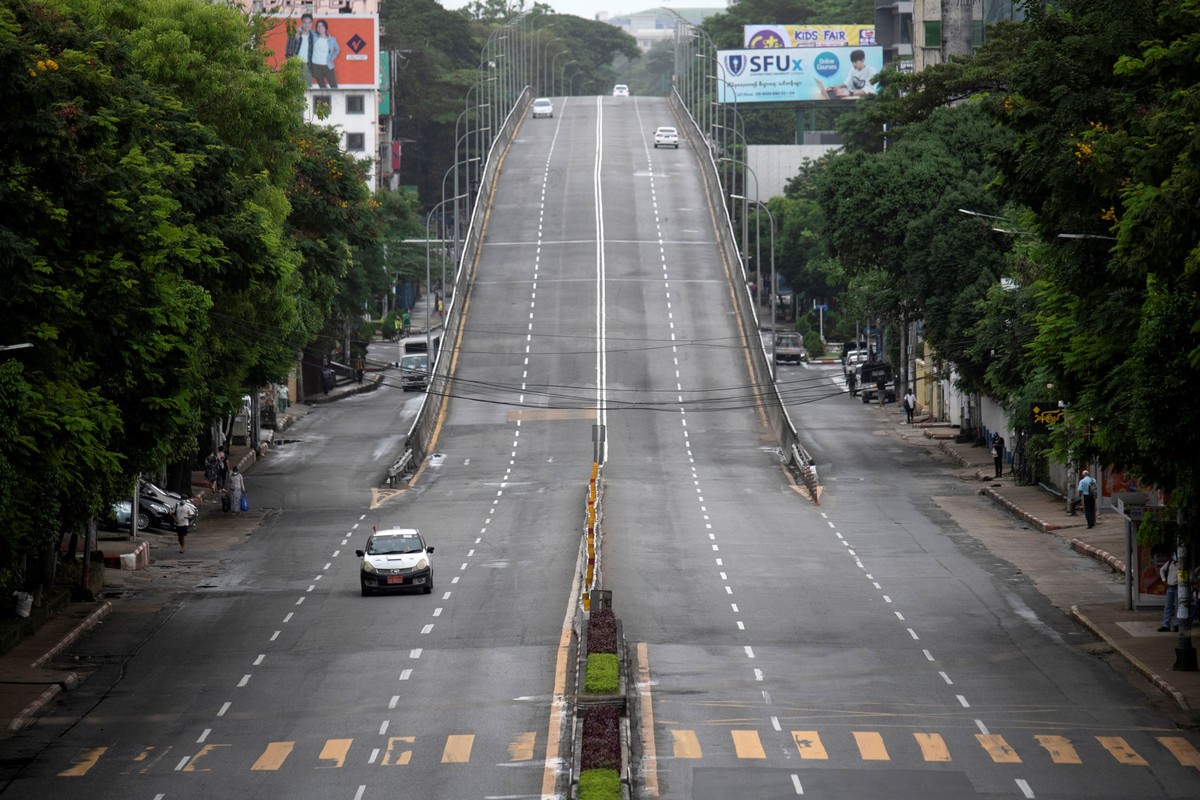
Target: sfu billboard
(771, 37)
(797, 74)
(339, 51)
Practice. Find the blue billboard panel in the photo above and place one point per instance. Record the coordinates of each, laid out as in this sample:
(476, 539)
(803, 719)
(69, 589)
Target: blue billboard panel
(788, 75)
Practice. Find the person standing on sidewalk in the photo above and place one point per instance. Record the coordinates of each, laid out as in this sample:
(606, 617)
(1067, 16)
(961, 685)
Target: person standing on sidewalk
(212, 471)
(910, 405)
(223, 474)
(237, 490)
(1087, 490)
(185, 512)
(998, 454)
(1169, 572)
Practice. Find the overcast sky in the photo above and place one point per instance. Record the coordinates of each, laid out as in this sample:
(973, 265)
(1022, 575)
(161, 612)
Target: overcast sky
(615, 8)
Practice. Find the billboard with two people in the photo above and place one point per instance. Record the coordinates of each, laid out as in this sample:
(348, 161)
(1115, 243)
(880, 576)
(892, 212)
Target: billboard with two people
(797, 74)
(338, 51)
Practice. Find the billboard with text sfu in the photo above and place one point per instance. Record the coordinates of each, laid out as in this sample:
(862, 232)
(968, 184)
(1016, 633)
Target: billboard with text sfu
(770, 37)
(339, 51)
(799, 74)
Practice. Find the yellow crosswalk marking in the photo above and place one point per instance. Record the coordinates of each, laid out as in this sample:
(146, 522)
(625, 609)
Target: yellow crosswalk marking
(335, 750)
(1121, 751)
(458, 749)
(809, 745)
(998, 749)
(83, 762)
(144, 760)
(273, 757)
(394, 756)
(933, 746)
(1060, 749)
(686, 744)
(208, 748)
(747, 744)
(521, 746)
(870, 746)
(1182, 749)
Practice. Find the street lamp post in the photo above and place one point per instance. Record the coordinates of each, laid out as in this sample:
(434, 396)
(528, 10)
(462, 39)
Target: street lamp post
(554, 69)
(428, 222)
(746, 228)
(771, 217)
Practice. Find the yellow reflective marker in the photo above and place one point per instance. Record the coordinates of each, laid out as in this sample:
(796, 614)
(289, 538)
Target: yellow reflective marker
(83, 762)
(394, 756)
(1060, 749)
(1182, 749)
(1121, 751)
(273, 757)
(208, 748)
(870, 746)
(809, 745)
(521, 746)
(686, 744)
(998, 749)
(747, 744)
(458, 749)
(933, 746)
(335, 750)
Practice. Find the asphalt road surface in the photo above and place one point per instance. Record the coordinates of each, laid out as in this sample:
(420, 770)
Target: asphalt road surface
(868, 647)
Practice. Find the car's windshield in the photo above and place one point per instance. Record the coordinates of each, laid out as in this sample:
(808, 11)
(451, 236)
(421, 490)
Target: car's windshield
(393, 545)
(414, 362)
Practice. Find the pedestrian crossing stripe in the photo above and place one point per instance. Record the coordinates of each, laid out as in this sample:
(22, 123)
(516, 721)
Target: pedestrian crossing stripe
(334, 754)
(870, 746)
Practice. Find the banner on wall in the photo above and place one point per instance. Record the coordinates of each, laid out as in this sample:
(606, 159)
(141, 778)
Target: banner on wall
(339, 51)
(770, 37)
(797, 74)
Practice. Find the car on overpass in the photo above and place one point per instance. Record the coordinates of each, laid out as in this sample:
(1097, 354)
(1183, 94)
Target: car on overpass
(666, 136)
(620, 90)
(542, 107)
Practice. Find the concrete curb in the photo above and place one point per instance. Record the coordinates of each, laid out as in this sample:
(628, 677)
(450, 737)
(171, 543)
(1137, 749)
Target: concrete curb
(370, 383)
(26, 715)
(952, 454)
(1102, 556)
(1019, 513)
(83, 627)
(1163, 685)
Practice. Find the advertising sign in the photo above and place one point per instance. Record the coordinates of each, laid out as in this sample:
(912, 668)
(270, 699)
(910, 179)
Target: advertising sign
(797, 74)
(1044, 417)
(770, 37)
(339, 51)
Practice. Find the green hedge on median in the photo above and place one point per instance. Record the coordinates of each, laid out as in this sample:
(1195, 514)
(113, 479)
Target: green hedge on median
(602, 675)
(599, 784)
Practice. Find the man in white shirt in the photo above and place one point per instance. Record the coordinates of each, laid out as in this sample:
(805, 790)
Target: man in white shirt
(184, 513)
(300, 45)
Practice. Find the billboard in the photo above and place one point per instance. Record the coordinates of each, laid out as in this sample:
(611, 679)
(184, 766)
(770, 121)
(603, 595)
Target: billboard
(339, 51)
(771, 37)
(797, 74)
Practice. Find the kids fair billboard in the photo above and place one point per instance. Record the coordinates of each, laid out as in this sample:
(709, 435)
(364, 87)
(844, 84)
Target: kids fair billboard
(339, 51)
(797, 74)
(770, 37)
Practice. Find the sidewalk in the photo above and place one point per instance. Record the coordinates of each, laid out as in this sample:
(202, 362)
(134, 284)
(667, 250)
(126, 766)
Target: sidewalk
(30, 677)
(1131, 634)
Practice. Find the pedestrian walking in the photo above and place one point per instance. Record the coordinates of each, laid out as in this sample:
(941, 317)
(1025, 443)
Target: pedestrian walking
(237, 490)
(881, 388)
(185, 512)
(223, 476)
(212, 471)
(326, 379)
(998, 454)
(910, 405)
(1087, 490)
(1169, 573)
(852, 382)
(360, 366)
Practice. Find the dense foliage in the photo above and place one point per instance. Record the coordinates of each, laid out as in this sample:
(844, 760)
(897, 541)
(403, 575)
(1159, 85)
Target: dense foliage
(170, 234)
(602, 631)
(601, 738)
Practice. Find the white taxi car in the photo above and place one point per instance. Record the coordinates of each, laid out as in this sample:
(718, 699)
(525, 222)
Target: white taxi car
(395, 559)
(666, 136)
(542, 107)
